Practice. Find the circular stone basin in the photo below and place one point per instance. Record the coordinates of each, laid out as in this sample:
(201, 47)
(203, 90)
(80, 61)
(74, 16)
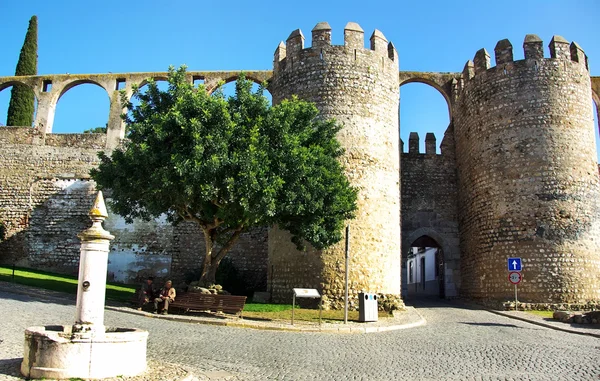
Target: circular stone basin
(53, 351)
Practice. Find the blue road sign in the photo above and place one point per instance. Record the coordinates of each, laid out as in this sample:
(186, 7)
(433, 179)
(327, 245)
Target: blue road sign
(514, 264)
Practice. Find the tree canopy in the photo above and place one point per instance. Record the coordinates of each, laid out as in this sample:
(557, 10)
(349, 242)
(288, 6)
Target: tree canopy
(229, 164)
(21, 105)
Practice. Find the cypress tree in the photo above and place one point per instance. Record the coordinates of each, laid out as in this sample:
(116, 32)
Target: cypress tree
(21, 106)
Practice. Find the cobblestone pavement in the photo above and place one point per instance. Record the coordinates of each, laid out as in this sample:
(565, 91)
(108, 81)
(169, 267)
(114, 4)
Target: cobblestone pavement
(456, 344)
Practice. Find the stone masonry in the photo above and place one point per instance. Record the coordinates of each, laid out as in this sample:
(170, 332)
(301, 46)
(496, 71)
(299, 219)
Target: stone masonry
(517, 175)
(359, 88)
(528, 179)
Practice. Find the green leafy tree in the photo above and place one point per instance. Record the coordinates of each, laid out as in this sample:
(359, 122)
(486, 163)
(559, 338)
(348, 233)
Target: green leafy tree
(21, 106)
(229, 164)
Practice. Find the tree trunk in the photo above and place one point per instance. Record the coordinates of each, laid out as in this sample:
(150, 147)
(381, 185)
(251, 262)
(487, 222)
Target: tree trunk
(212, 260)
(208, 244)
(211, 274)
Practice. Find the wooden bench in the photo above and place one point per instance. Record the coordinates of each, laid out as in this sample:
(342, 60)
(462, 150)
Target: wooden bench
(197, 301)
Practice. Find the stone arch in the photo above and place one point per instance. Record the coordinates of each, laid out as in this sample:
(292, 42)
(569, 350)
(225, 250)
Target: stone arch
(419, 278)
(407, 241)
(12, 82)
(69, 85)
(57, 93)
(214, 82)
(157, 78)
(441, 88)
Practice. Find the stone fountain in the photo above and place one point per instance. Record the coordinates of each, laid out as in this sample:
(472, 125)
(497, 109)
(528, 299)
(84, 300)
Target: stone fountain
(86, 349)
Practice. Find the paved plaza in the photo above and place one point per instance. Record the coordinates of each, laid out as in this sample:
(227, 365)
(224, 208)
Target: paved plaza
(457, 343)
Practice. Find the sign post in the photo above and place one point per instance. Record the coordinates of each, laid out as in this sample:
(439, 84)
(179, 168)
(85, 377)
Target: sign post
(306, 293)
(346, 278)
(514, 276)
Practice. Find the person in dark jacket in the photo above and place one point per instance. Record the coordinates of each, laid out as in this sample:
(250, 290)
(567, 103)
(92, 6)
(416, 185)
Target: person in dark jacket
(146, 293)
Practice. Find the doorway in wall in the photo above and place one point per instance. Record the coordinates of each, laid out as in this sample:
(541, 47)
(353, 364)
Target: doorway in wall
(424, 269)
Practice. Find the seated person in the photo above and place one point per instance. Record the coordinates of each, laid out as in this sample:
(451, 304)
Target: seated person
(165, 296)
(146, 293)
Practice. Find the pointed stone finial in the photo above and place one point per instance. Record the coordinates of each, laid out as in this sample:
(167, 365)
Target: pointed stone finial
(99, 208)
(97, 214)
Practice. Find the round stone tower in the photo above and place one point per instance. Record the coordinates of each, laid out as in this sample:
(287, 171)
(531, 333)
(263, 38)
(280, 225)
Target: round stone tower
(358, 87)
(528, 176)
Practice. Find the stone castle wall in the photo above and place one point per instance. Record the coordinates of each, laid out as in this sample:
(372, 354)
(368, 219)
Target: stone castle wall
(517, 176)
(429, 204)
(528, 178)
(359, 88)
(45, 194)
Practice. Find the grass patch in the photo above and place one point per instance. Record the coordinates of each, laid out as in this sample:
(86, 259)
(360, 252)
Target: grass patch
(62, 283)
(266, 307)
(284, 312)
(124, 293)
(544, 314)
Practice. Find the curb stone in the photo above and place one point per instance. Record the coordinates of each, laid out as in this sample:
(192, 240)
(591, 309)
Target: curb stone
(411, 314)
(280, 326)
(544, 324)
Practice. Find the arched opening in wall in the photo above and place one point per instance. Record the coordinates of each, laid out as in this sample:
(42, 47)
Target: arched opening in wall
(5, 95)
(228, 89)
(423, 269)
(423, 109)
(81, 107)
(162, 84)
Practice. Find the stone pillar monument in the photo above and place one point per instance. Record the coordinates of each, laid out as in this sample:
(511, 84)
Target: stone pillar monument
(86, 349)
(93, 262)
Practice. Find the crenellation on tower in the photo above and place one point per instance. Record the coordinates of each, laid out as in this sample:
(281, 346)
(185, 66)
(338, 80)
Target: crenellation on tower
(280, 52)
(379, 43)
(481, 61)
(413, 143)
(559, 48)
(533, 46)
(503, 52)
(321, 35)
(577, 54)
(469, 70)
(295, 42)
(430, 143)
(354, 36)
(392, 52)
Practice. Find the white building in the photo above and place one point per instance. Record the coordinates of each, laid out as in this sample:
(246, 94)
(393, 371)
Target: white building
(422, 272)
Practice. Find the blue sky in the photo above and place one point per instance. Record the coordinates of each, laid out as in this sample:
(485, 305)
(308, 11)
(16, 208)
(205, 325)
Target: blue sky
(122, 36)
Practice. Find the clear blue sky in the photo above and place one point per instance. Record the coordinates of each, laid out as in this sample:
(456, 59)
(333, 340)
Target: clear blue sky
(118, 36)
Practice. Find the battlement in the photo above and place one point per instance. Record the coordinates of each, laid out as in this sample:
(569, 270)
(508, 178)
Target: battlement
(354, 39)
(414, 142)
(560, 49)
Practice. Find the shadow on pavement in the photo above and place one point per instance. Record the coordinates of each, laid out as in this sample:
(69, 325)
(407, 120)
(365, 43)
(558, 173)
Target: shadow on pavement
(491, 324)
(11, 367)
(437, 302)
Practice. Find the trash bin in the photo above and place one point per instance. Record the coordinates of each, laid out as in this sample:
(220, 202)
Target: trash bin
(367, 307)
